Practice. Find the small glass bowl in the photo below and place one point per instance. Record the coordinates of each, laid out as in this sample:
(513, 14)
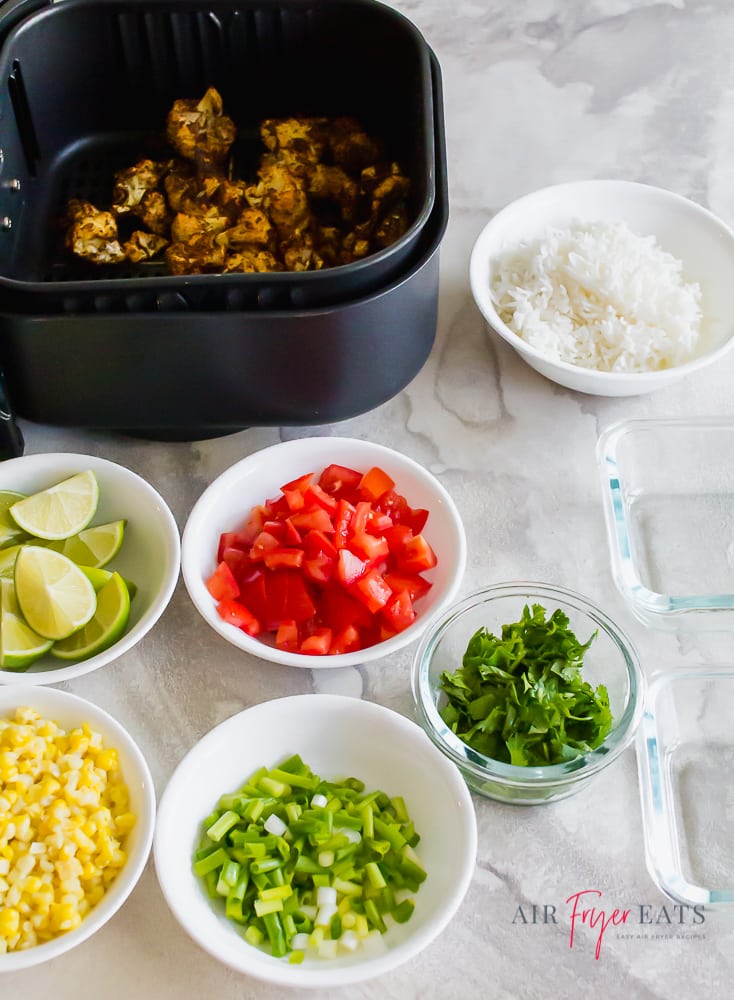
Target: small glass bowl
(610, 660)
(668, 492)
(685, 754)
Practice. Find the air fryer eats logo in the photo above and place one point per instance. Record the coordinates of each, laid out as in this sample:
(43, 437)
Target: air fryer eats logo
(587, 913)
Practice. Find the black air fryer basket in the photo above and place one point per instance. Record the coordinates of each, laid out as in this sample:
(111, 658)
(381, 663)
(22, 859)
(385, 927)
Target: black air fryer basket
(85, 86)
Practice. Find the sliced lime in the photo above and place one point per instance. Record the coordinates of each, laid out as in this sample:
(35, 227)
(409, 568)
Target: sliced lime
(19, 644)
(55, 597)
(105, 628)
(93, 547)
(98, 577)
(7, 561)
(10, 533)
(61, 510)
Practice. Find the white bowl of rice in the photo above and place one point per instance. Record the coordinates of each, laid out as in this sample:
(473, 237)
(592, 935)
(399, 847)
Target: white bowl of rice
(608, 287)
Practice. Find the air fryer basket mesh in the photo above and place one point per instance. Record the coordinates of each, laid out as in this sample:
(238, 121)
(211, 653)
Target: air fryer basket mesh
(98, 99)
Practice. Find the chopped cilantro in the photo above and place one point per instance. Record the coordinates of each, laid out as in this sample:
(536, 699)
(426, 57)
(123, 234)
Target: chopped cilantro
(521, 699)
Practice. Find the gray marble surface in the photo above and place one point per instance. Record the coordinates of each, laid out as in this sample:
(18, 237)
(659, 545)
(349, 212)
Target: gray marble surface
(536, 92)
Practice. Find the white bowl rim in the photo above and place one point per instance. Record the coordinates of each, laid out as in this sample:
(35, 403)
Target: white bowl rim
(151, 616)
(129, 876)
(256, 647)
(513, 775)
(280, 972)
(478, 259)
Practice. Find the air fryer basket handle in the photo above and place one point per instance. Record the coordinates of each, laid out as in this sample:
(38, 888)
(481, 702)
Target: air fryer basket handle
(11, 437)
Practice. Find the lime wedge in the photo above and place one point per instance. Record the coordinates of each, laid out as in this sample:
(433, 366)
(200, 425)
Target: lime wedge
(19, 644)
(7, 561)
(93, 547)
(10, 533)
(60, 511)
(97, 576)
(55, 597)
(108, 624)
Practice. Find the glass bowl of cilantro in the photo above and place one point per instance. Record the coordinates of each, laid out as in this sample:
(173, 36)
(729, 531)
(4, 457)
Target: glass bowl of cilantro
(530, 689)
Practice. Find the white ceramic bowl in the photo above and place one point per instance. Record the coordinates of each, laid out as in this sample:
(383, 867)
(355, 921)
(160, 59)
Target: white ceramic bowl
(149, 556)
(70, 711)
(701, 241)
(337, 737)
(227, 501)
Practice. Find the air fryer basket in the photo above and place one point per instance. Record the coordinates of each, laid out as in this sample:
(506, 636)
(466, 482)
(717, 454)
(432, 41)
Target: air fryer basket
(191, 373)
(86, 86)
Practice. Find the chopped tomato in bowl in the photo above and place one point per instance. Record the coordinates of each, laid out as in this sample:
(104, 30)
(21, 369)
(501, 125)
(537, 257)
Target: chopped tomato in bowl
(323, 551)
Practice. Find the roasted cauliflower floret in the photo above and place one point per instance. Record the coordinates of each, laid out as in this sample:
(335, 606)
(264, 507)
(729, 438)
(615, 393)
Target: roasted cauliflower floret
(251, 260)
(154, 213)
(133, 183)
(143, 246)
(200, 131)
(92, 233)
(199, 255)
(253, 229)
(299, 254)
(282, 196)
(298, 143)
(187, 225)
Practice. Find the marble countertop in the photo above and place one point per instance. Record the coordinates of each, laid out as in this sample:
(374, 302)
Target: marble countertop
(536, 92)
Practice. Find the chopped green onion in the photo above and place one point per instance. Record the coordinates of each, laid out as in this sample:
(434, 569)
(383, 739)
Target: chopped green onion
(309, 867)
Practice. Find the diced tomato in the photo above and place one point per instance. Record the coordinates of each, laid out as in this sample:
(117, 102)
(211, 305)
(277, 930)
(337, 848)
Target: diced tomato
(337, 478)
(340, 609)
(349, 567)
(316, 519)
(395, 505)
(417, 519)
(222, 583)
(397, 536)
(276, 529)
(417, 555)
(369, 546)
(315, 496)
(358, 523)
(331, 565)
(277, 508)
(291, 534)
(317, 543)
(238, 561)
(345, 641)
(342, 519)
(290, 558)
(319, 568)
(254, 524)
(265, 542)
(399, 612)
(375, 483)
(235, 613)
(318, 643)
(288, 598)
(372, 590)
(253, 595)
(287, 636)
(415, 585)
(232, 540)
(295, 492)
(300, 484)
(378, 523)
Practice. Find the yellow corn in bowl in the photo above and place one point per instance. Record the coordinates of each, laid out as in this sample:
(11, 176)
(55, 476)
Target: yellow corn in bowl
(77, 811)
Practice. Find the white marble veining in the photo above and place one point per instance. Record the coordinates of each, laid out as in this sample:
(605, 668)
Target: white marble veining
(536, 92)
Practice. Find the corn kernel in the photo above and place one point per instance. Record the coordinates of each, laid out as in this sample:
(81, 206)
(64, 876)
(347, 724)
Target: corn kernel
(9, 922)
(60, 843)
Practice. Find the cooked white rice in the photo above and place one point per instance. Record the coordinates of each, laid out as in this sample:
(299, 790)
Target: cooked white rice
(599, 296)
